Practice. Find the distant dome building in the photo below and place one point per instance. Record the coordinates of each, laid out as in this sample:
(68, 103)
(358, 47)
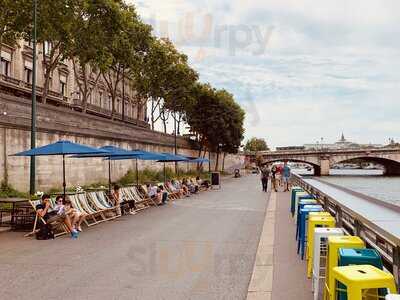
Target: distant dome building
(342, 143)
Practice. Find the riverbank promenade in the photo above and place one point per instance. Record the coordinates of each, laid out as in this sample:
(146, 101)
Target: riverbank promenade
(202, 247)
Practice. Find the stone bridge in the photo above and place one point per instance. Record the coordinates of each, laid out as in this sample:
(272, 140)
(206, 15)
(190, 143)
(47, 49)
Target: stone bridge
(322, 160)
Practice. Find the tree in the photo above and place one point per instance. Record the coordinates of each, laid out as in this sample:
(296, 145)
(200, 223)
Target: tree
(55, 30)
(126, 48)
(95, 24)
(165, 78)
(256, 144)
(15, 20)
(216, 119)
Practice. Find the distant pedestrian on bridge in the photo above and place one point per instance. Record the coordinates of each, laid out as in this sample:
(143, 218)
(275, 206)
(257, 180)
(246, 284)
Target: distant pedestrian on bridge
(264, 178)
(286, 176)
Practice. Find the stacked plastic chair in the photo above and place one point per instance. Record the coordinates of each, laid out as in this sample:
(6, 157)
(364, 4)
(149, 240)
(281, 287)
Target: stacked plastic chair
(334, 244)
(349, 271)
(295, 195)
(315, 221)
(299, 198)
(349, 257)
(361, 282)
(302, 225)
(293, 191)
(320, 256)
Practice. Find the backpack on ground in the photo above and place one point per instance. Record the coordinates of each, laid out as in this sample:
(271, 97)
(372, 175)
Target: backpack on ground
(45, 233)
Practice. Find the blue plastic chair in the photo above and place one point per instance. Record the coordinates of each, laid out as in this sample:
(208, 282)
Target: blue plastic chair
(293, 198)
(300, 205)
(304, 212)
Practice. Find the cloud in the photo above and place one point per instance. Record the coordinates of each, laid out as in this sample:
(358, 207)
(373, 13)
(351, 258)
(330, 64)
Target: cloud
(325, 66)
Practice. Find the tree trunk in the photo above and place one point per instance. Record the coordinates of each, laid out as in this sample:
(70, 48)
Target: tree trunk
(152, 114)
(50, 65)
(217, 161)
(223, 162)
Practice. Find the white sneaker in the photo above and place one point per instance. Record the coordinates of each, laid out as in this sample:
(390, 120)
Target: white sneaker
(132, 212)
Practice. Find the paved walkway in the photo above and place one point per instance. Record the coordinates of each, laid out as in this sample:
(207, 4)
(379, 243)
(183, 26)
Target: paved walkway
(278, 272)
(202, 247)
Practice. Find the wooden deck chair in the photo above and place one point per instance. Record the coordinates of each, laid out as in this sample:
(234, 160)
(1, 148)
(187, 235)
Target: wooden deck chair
(143, 197)
(171, 197)
(104, 199)
(62, 228)
(140, 203)
(145, 194)
(89, 209)
(90, 220)
(109, 212)
(174, 193)
(126, 196)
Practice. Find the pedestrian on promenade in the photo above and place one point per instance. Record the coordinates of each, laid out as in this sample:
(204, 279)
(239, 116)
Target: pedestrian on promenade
(264, 178)
(286, 176)
(273, 177)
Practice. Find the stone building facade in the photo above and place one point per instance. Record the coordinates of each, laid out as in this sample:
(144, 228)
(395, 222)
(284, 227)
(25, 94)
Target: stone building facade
(16, 79)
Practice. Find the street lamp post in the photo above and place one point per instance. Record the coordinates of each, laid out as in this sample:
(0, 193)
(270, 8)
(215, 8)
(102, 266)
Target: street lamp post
(33, 117)
(123, 93)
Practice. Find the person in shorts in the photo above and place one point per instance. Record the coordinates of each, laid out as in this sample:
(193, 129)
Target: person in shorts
(52, 216)
(76, 216)
(286, 176)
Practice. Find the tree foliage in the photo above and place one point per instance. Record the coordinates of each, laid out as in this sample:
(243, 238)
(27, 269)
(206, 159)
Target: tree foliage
(165, 78)
(216, 119)
(256, 144)
(107, 38)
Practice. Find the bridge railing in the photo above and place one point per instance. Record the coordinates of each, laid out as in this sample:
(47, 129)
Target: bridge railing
(355, 224)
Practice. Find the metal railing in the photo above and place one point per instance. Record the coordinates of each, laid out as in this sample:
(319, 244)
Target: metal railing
(355, 224)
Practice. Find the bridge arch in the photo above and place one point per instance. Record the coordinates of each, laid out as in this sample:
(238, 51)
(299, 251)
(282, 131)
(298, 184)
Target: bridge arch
(316, 167)
(392, 167)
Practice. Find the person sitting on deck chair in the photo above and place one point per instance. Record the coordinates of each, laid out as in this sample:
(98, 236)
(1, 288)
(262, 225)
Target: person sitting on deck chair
(173, 189)
(76, 217)
(203, 183)
(154, 193)
(119, 202)
(182, 187)
(191, 187)
(51, 217)
(163, 193)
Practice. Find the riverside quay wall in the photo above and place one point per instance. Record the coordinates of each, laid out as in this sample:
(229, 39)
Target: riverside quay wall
(60, 123)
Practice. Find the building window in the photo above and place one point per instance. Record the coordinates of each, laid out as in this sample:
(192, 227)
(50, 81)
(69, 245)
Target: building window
(109, 102)
(63, 85)
(28, 75)
(47, 47)
(5, 67)
(28, 71)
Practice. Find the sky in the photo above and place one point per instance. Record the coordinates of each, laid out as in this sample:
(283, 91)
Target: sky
(302, 69)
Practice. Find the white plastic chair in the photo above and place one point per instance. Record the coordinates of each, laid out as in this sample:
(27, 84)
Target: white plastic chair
(320, 255)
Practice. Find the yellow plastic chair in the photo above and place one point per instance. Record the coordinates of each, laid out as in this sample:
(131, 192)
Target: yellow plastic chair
(315, 221)
(362, 281)
(334, 244)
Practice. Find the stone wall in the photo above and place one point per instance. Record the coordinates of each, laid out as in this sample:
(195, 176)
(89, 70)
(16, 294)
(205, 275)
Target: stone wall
(57, 123)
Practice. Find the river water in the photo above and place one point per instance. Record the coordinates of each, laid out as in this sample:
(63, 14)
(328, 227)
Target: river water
(368, 182)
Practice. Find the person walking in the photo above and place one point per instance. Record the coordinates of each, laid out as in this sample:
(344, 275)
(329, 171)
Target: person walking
(286, 176)
(264, 178)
